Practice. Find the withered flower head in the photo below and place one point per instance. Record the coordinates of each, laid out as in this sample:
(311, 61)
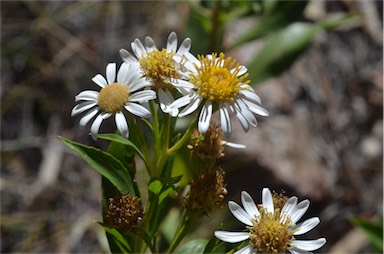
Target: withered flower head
(207, 191)
(208, 145)
(124, 212)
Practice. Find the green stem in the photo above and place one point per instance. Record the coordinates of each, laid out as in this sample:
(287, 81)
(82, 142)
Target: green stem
(183, 139)
(164, 154)
(142, 235)
(180, 232)
(155, 124)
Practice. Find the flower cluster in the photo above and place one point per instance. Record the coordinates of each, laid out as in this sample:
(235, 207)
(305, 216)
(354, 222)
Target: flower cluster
(178, 80)
(160, 86)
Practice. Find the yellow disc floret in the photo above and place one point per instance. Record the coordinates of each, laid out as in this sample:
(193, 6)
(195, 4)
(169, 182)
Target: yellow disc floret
(113, 97)
(217, 78)
(269, 234)
(160, 67)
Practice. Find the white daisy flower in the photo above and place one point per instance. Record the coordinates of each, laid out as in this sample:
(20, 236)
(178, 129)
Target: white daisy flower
(219, 83)
(114, 98)
(164, 68)
(272, 227)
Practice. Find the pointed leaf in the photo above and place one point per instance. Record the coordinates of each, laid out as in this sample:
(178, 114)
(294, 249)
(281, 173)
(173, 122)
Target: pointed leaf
(105, 164)
(119, 139)
(281, 50)
(116, 240)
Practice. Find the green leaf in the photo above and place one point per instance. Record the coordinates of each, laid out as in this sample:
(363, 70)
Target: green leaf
(373, 230)
(119, 139)
(159, 190)
(215, 246)
(281, 50)
(161, 187)
(277, 15)
(195, 246)
(105, 164)
(117, 242)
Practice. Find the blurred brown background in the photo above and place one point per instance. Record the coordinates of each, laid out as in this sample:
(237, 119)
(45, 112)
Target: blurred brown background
(322, 140)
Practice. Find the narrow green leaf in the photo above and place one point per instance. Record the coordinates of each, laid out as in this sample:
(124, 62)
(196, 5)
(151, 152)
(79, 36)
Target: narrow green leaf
(119, 139)
(373, 230)
(105, 164)
(215, 246)
(117, 242)
(194, 247)
(162, 187)
(281, 50)
(277, 15)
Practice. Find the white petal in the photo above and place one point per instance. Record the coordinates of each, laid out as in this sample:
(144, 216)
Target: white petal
(183, 84)
(249, 205)
(231, 237)
(225, 121)
(205, 117)
(255, 108)
(182, 101)
(143, 96)
(84, 106)
(250, 94)
(246, 113)
(195, 102)
(99, 80)
(166, 99)
(233, 145)
(138, 48)
(121, 124)
(139, 84)
(96, 125)
(306, 226)
(242, 119)
(308, 245)
(242, 71)
(134, 74)
(299, 210)
(246, 250)
(123, 73)
(137, 110)
(240, 213)
(289, 206)
(267, 200)
(85, 119)
(127, 57)
(149, 44)
(172, 42)
(184, 47)
(87, 95)
(111, 72)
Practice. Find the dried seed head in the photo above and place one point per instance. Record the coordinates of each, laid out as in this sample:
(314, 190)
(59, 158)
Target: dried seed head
(208, 145)
(124, 212)
(207, 191)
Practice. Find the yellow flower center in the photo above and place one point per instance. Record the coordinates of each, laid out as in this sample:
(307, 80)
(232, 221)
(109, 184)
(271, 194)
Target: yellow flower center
(113, 97)
(217, 78)
(269, 235)
(160, 67)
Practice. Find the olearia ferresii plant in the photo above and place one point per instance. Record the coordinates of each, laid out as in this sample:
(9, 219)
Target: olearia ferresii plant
(146, 96)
